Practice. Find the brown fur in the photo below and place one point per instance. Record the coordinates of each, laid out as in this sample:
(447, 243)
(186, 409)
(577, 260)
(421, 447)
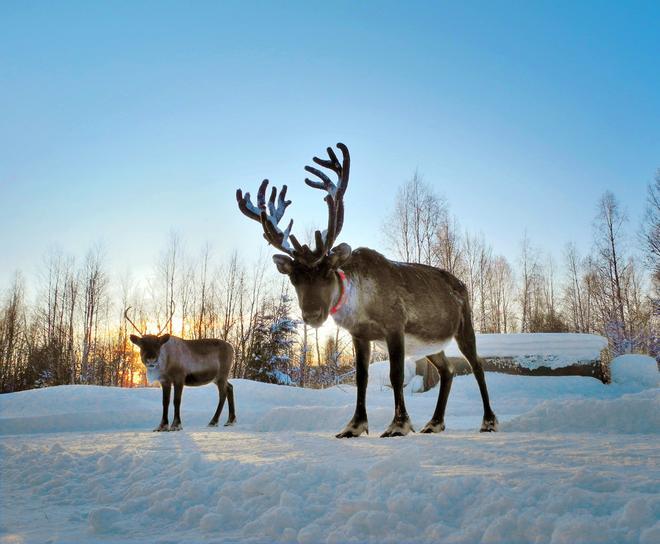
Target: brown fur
(399, 304)
(188, 362)
(396, 304)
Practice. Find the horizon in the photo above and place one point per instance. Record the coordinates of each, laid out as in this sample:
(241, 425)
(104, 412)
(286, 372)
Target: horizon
(122, 124)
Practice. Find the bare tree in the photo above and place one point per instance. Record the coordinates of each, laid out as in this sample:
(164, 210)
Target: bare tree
(304, 350)
(250, 302)
(412, 227)
(472, 250)
(11, 335)
(231, 290)
(501, 296)
(529, 270)
(169, 270)
(610, 264)
(95, 283)
(575, 292)
(651, 229)
(448, 248)
(484, 275)
(204, 294)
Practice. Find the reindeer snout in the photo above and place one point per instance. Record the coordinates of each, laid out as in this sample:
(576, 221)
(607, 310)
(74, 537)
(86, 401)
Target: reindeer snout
(313, 317)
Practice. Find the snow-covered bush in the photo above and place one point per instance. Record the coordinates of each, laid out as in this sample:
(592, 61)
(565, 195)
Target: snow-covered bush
(274, 338)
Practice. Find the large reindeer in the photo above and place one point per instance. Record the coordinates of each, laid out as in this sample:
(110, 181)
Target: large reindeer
(411, 308)
(174, 361)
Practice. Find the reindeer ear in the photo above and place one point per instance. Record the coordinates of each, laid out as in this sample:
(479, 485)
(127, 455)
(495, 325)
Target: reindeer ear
(136, 340)
(284, 264)
(163, 339)
(339, 256)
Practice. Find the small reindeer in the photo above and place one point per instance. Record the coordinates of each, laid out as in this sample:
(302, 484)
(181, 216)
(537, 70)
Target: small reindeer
(174, 361)
(409, 308)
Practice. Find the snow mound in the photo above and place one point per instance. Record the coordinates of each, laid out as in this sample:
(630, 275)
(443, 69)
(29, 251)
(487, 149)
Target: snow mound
(379, 373)
(577, 346)
(585, 473)
(534, 350)
(528, 350)
(104, 520)
(629, 414)
(635, 369)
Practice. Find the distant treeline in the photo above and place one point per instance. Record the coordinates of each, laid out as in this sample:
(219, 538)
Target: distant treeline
(614, 290)
(72, 330)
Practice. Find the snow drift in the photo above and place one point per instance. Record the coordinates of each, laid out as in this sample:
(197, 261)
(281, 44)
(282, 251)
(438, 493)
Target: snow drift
(577, 461)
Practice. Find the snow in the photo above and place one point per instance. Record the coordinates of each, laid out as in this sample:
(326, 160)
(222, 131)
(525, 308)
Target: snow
(640, 369)
(576, 461)
(579, 346)
(529, 350)
(533, 350)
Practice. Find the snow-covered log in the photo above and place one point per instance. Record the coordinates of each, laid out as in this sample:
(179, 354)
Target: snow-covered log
(529, 354)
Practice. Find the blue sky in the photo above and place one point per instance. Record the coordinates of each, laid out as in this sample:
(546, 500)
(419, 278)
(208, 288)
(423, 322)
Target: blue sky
(123, 121)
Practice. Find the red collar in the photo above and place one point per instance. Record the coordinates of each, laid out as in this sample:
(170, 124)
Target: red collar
(343, 290)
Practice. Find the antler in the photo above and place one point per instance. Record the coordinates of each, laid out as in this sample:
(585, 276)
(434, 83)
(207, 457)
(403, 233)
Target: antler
(168, 320)
(269, 216)
(131, 322)
(334, 199)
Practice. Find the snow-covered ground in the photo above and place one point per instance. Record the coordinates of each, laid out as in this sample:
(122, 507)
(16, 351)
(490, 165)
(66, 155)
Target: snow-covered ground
(576, 461)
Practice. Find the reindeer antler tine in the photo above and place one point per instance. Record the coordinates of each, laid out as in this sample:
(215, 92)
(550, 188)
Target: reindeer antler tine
(261, 195)
(345, 170)
(314, 184)
(287, 230)
(333, 157)
(320, 242)
(340, 217)
(282, 204)
(327, 183)
(268, 214)
(130, 321)
(168, 319)
(271, 201)
(245, 205)
(296, 244)
(335, 195)
(324, 162)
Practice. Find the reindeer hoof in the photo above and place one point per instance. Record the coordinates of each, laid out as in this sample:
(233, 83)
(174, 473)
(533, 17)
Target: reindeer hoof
(489, 425)
(398, 428)
(230, 422)
(433, 427)
(176, 427)
(162, 428)
(212, 424)
(354, 429)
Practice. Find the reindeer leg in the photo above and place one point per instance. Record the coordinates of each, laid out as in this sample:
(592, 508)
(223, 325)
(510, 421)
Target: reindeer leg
(437, 423)
(467, 344)
(178, 391)
(167, 390)
(230, 400)
(359, 423)
(221, 402)
(400, 425)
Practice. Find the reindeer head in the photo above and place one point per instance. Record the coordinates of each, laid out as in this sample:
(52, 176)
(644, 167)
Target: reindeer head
(313, 273)
(149, 344)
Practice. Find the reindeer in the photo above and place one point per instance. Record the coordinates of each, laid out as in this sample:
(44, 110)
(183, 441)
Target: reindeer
(174, 361)
(410, 308)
